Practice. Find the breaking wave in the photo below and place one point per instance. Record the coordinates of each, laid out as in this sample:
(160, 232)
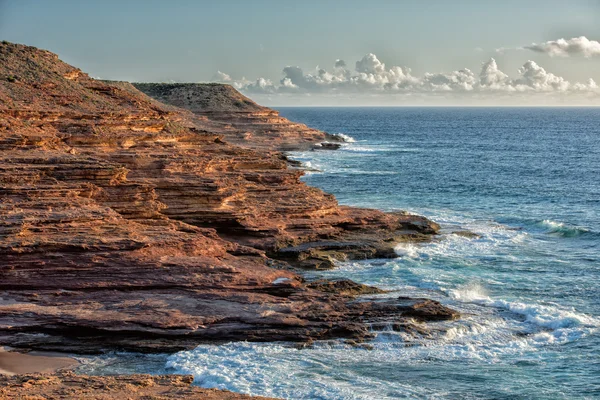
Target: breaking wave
(345, 138)
(547, 317)
(561, 228)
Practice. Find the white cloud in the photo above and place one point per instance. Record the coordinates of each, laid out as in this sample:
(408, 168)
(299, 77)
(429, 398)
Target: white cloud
(372, 76)
(462, 80)
(221, 77)
(370, 64)
(491, 77)
(261, 85)
(578, 46)
(535, 77)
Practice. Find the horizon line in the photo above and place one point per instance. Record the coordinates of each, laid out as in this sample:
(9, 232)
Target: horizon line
(436, 106)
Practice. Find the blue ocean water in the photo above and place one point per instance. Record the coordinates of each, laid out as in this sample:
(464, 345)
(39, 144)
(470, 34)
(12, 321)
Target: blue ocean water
(527, 181)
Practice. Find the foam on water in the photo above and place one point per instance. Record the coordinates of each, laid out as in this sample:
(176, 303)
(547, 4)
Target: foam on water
(492, 331)
(559, 324)
(282, 370)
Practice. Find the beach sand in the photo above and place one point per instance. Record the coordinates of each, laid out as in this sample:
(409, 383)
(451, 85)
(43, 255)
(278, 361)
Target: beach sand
(12, 363)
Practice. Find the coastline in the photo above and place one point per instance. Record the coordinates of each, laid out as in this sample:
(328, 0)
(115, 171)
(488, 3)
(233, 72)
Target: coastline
(153, 228)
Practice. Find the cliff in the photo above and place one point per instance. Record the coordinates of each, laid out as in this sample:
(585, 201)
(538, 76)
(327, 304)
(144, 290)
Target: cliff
(250, 125)
(126, 223)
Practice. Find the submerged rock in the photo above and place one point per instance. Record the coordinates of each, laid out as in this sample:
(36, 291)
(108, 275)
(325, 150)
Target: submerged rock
(467, 234)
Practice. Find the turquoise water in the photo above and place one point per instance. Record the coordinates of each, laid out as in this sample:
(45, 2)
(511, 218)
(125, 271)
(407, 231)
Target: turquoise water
(527, 181)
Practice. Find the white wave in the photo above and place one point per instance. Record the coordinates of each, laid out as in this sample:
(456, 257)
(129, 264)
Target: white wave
(407, 250)
(543, 316)
(561, 228)
(368, 149)
(284, 371)
(345, 138)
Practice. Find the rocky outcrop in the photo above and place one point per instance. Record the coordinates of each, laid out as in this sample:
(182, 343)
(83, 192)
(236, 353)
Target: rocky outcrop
(126, 223)
(68, 386)
(251, 125)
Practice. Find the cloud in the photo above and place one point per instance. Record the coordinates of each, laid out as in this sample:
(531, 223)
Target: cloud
(221, 77)
(372, 77)
(491, 77)
(261, 85)
(578, 46)
(370, 64)
(535, 77)
(340, 63)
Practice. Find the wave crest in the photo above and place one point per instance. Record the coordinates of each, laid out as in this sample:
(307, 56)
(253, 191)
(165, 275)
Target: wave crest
(542, 316)
(562, 229)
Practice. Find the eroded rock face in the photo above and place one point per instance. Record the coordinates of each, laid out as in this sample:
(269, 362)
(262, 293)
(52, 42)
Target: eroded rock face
(125, 223)
(66, 385)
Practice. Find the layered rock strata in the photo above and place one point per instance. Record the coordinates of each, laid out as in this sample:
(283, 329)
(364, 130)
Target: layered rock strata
(129, 224)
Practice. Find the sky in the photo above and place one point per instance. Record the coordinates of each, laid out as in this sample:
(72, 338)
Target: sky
(305, 52)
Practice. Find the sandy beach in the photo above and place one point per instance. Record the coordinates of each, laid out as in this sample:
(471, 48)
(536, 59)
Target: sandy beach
(12, 363)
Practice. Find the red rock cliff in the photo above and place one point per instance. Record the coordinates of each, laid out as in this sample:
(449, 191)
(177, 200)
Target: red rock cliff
(126, 223)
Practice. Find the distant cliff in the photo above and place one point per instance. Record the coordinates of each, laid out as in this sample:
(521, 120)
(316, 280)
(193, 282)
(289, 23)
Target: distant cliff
(253, 125)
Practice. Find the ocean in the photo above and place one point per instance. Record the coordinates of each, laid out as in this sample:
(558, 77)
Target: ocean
(526, 181)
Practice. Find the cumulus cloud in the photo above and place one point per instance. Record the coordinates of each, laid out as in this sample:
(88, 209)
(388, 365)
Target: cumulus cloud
(491, 76)
(221, 77)
(577, 46)
(372, 76)
(261, 85)
(535, 77)
(370, 64)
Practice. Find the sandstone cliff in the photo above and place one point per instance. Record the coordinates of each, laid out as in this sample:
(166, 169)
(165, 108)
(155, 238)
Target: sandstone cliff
(126, 223)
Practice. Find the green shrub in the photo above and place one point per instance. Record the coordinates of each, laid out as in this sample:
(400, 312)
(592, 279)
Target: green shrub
(11, 78)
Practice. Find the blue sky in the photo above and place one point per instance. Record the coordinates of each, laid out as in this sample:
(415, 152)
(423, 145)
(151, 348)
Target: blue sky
(189, 41)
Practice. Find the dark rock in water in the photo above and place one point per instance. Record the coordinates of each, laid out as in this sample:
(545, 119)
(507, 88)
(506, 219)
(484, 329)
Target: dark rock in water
(327, 146)
(428, 310)
(334, 138)
(467, 234)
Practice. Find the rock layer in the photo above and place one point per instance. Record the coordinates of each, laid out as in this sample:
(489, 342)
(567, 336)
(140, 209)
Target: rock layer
(68, 386)
(126, 223)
